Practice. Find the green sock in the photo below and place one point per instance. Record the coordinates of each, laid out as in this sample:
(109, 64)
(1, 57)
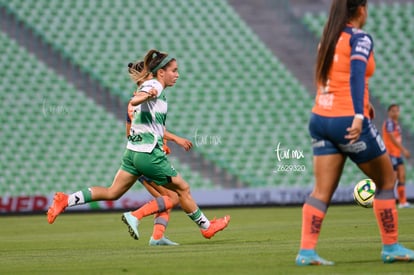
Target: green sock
(81, 197)
(87, 194)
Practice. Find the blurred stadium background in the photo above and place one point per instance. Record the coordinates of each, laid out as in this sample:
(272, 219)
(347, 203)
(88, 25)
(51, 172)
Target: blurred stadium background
(243, 98)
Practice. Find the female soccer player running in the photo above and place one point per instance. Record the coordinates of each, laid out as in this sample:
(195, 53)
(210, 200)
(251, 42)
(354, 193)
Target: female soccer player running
(340, 127)
(144, 156)
(161, 219)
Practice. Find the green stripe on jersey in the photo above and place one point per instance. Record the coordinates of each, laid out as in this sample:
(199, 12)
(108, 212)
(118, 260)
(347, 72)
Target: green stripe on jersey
(146, 118)
(160, 118)
(142, 118)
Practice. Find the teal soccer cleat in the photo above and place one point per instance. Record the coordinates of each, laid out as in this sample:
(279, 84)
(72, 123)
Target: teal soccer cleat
(309, 257)
(132, 224)
(162, 241)
(396, 253)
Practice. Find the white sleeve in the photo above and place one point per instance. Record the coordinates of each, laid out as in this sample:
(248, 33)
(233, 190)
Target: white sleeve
(151, 84)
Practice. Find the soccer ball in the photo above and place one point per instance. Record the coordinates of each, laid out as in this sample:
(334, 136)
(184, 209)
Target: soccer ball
(364, 193)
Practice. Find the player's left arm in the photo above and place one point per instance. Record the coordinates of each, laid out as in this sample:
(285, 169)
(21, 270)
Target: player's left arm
(127, 128)
(183, 142)
(128, 119)
(361, 49)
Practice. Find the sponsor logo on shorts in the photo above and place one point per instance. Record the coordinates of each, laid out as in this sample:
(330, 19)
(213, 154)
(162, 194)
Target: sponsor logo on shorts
(318, 143)
(354, 147)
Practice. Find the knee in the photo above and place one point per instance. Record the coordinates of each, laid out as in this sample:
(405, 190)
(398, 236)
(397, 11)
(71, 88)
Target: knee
(386, 184)
(183, 191)
(322, 195)
(174, 198)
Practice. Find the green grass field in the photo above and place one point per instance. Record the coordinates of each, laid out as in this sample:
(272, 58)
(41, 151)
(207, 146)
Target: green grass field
(257, 241)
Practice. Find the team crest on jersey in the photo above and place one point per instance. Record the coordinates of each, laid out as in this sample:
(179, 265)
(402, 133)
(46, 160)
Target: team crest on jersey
(363, 45)
(365, 41)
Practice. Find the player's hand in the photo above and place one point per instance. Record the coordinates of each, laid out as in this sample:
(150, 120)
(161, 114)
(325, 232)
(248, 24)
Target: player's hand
(185, 143)
(166, 149)
(152, 93)
(406, 153)
(355, 130)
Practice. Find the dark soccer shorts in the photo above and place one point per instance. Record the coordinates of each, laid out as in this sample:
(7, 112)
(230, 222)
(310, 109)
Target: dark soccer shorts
(396, 161)
(328, 137)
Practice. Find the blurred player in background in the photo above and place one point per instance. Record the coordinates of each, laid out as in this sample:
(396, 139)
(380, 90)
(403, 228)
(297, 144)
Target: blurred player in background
(144, 155)
(391, 131)
(340, 127)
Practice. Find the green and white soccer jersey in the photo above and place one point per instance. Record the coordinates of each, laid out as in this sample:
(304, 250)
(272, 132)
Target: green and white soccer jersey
(148, 120)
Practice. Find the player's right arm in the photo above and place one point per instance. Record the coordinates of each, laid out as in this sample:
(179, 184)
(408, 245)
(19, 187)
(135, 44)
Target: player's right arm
(148, 90)
(142, 96)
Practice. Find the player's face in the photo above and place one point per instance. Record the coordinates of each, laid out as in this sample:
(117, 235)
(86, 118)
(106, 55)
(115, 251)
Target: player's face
(395, 112)
(171, 73)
